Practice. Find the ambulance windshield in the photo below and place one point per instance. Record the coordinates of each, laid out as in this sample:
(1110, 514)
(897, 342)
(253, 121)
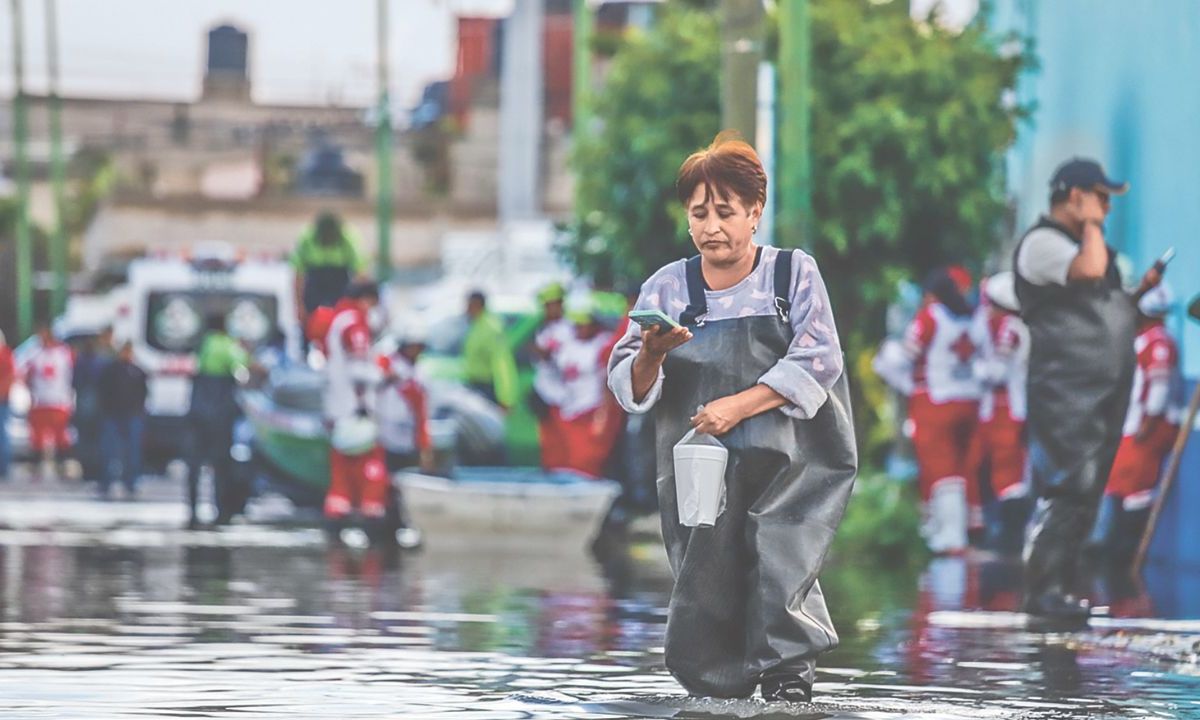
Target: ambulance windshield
(175, 319)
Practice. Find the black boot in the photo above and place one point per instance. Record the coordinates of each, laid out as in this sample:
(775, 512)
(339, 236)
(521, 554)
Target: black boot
(786, 688)
(1057, 612)
(1014, 516)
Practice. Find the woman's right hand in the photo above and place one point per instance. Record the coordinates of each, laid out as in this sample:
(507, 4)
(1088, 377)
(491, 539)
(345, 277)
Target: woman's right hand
(658, 341)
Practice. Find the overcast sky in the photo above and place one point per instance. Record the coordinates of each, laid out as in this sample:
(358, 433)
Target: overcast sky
(308, 51)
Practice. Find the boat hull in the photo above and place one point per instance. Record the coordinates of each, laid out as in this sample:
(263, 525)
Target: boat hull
(508, 505)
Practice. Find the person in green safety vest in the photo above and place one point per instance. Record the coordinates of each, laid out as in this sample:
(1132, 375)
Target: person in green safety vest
(488, 362)
(220, 363)
(326, 259)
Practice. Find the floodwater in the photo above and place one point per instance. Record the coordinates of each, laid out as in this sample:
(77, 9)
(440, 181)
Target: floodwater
(146, 620)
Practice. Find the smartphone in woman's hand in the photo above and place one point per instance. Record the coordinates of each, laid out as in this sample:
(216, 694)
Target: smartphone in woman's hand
(653, 318)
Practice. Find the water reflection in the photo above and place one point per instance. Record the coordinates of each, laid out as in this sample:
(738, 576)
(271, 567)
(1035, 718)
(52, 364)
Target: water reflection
(216, 625)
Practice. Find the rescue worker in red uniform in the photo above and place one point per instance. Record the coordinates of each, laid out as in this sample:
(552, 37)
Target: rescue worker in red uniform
(546, 398)
(358, 482)
(1002, 368)
(588, 417)
(48, 375)
(943, 410)
(403, 414)
(403, 408)
(1151, 424)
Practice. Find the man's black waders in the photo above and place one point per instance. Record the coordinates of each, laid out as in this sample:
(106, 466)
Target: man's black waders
(1081, 366)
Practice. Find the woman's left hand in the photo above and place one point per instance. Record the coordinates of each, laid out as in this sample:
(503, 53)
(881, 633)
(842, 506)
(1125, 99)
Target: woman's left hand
(719, 416)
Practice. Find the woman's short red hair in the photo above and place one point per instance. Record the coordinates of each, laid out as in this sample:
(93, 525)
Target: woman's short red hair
(728, 165)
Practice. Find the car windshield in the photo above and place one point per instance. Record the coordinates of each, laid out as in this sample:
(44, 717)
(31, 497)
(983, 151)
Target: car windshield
(175, 320)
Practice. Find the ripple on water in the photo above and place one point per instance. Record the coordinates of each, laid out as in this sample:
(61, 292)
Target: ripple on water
(268, 622)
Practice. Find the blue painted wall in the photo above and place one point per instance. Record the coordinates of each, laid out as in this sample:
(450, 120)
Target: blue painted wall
(1119, 81)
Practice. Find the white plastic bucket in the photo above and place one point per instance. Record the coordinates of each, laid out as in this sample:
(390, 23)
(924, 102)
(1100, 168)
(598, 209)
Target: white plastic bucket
(700, 479)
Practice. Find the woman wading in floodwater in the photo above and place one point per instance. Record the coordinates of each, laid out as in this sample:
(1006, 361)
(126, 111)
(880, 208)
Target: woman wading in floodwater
(759, 351)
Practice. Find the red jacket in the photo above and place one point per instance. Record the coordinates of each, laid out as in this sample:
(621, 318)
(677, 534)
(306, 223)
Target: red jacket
(8, 372)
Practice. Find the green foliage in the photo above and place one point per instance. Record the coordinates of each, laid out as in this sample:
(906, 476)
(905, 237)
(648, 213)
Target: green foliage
(909, 126)
(660, 102)
(881, 525)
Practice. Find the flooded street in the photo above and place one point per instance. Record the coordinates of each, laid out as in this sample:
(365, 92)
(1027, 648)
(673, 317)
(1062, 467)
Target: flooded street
(105, 617)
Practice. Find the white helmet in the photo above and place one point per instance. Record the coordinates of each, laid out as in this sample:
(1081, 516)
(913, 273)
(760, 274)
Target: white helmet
(1001, 291)
(412, 331)
(1157, 301)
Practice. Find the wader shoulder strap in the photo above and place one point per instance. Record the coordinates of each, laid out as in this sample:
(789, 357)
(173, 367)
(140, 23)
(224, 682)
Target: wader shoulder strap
(697, 306)
(783, 283)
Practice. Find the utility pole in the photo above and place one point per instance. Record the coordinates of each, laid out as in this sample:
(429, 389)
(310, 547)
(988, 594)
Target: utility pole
(741, 52)
(794, 222)
(383, 151)
(58, 243)
(522, 118)
(24, 256)
(581, 67)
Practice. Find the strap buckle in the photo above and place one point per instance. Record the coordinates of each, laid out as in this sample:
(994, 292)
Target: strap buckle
(783, 307)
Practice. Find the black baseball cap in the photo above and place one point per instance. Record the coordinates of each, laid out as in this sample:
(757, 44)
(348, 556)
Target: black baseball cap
(1086, 174)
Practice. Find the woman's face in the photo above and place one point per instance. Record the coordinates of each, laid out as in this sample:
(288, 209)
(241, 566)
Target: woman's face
(721, 227)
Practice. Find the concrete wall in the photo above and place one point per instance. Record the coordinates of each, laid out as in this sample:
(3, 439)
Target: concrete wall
(130, 228)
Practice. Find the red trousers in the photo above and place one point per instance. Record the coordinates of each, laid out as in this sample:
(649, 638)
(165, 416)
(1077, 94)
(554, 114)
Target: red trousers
(942, 436)
(1135, 470)
(48, 427)
(357, 482)
(998, 444)
(554, 445)
(585, 441)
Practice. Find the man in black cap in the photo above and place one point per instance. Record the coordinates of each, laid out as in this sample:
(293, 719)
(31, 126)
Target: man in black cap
(1081, 323)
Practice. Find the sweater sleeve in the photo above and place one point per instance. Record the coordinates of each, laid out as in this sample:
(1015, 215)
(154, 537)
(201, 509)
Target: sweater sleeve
(813, 362)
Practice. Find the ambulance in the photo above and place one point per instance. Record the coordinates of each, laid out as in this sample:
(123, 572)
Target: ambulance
(163, 312)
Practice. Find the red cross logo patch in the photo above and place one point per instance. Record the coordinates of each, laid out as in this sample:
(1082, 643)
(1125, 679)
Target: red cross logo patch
(963, 348)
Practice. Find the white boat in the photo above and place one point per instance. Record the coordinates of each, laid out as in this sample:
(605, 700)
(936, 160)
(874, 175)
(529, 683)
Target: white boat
(500, 505)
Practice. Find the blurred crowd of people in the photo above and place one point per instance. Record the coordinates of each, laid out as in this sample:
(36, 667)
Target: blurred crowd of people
(86, 402)
(962, 365)
(579, 423)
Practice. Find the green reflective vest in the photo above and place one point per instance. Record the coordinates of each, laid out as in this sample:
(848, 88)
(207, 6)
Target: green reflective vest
(220, 356)
(488, 359)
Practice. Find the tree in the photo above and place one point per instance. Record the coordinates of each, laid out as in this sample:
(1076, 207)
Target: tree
(909, 125)
(660, 102)
(910, 122)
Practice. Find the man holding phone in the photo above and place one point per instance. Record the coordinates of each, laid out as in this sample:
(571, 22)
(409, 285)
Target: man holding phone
(1082, 325)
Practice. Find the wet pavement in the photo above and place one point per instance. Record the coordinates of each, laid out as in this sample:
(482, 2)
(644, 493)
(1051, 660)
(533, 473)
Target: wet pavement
(112, 610)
